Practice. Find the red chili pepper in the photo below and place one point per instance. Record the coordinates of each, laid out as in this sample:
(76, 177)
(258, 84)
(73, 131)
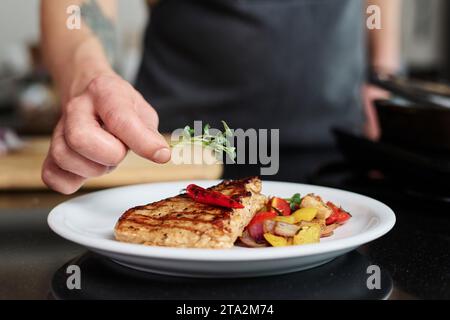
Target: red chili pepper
(202, 195)
(339, 215)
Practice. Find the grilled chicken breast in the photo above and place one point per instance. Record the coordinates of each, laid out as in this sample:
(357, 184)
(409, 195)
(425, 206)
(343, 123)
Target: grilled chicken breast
(181, 222)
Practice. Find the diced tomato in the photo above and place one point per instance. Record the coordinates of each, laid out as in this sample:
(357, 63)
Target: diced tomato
(339, 215)
(280, 205)
(255, 227)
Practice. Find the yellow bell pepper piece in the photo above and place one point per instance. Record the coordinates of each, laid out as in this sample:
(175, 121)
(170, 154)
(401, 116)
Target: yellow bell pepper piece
(290, 241)
(288, 219)
(308, 234)
(305, 214)
(275, 241)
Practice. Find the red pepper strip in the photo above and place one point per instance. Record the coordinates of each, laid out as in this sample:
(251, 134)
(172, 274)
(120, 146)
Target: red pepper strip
(338, 216)
(202, 195)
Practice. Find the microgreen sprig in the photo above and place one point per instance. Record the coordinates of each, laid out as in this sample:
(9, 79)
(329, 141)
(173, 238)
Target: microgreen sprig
(219, 143)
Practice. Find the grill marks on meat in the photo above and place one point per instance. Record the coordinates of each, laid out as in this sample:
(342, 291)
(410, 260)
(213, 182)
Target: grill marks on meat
(200, 213)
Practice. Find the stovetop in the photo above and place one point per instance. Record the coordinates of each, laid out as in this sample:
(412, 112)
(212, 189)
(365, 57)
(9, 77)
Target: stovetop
(341, 175)
(417, 251)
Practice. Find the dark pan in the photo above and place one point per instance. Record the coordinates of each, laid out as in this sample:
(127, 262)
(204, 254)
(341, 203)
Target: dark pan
(416, 127)
(410, 167)
(425, 93)
(419, 117)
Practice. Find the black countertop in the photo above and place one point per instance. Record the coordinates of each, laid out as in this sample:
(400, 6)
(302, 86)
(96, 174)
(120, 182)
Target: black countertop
(414, 258)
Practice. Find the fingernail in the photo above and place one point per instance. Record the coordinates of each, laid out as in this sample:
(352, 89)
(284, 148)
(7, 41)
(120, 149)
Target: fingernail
(162, 155)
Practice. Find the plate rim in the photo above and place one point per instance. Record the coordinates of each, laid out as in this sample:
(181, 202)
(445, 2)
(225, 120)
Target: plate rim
(56, 224)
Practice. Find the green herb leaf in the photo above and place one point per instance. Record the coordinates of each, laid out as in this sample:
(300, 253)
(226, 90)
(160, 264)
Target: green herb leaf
(294, 201)
(206, 130)
(219, 143)
(228, 132)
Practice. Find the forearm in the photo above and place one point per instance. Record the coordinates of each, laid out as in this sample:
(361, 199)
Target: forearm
(385, 43)
(76, 56)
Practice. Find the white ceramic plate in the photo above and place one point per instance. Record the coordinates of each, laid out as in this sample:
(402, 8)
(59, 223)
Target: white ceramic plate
(89, 220)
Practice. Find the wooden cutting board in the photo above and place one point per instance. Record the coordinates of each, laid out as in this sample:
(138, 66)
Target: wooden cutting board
(21, 170)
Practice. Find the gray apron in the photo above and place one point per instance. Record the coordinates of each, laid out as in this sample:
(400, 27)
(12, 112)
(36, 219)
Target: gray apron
(296, 65)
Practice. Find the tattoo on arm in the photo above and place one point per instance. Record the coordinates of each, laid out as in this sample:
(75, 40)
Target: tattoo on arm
(101, 25)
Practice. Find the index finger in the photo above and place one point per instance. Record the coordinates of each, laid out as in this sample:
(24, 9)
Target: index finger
(84, 134)
(123, 121)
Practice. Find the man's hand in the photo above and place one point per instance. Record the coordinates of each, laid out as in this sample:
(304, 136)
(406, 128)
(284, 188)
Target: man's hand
(95, 131)
(102, 115)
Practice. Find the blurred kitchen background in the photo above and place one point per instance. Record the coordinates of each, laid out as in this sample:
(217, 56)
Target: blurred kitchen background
(29, 105)
(28, 102)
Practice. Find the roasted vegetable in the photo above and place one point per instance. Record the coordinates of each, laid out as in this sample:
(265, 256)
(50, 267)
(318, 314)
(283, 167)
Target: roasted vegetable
(289, 219)
(256, 228)
(313, 201)
(310, 219)
(280, 206)
(328, 230)
(311, 223)
(250, 242)
(275, 241)
(339, 215)
(320, 222)
(269, 225)
(308, 234)
(305, 214)
(285, 229)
